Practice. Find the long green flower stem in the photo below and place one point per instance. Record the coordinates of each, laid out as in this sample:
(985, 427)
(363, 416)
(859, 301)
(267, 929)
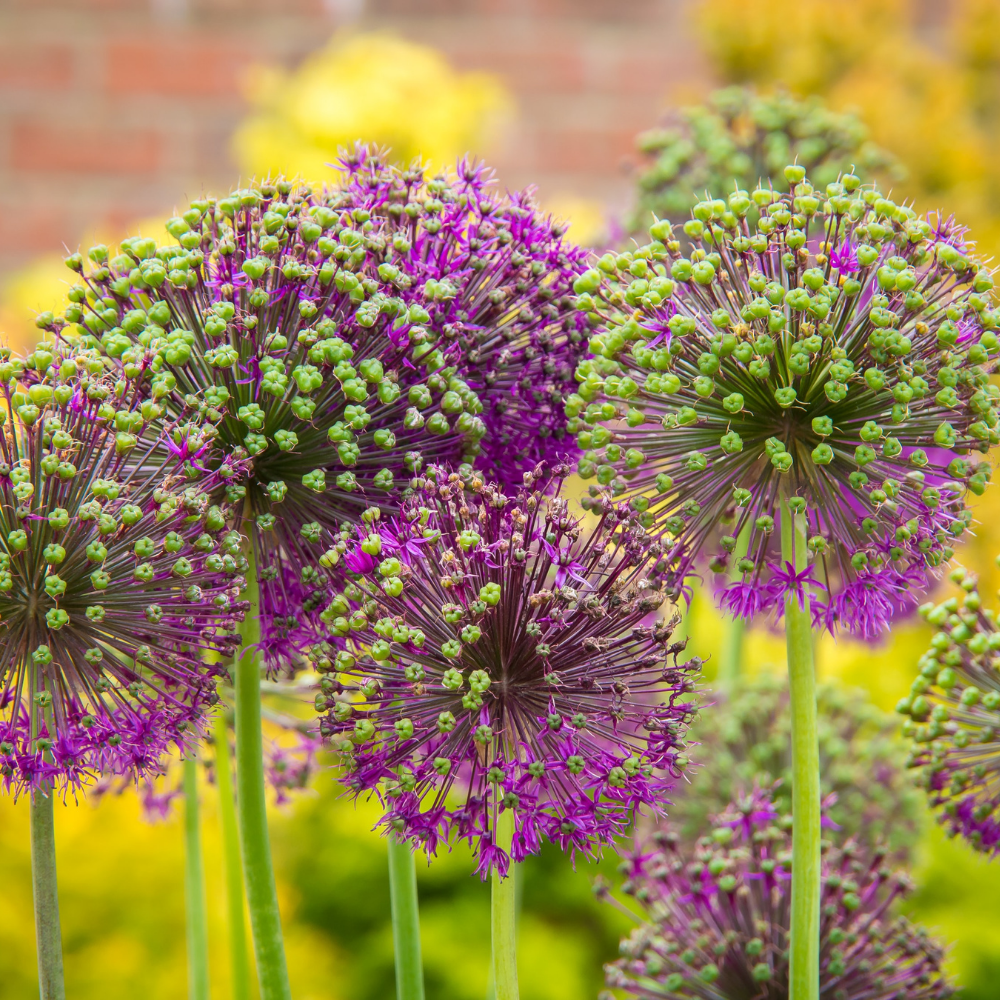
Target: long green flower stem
(239, 957)
(518, 877)
(194, 887)
(504, 917)
(806, 832)
(731, 654)
(251, 805)
(45, 889)
(405, 920)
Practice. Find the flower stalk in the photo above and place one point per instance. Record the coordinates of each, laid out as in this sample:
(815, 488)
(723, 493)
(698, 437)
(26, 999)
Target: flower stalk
(48, 935)
(405, 920)
(731, 660)
(194, 886)
(806, 834)
(239, 957)
(503, 915)
(251, 804)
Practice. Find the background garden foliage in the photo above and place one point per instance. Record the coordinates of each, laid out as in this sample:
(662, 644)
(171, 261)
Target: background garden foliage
(934, 110)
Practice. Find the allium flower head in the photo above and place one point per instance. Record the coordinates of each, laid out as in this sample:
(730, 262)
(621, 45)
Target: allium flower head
(717, 919)
(740, 137)
(506, 656)
(344, 338)
(953, 715)
(116, 577)
(743, 737)
(757, 370)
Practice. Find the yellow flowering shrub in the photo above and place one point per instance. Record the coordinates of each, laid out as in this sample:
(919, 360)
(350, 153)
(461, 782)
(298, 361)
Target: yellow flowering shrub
(374, 88)
(935, 106)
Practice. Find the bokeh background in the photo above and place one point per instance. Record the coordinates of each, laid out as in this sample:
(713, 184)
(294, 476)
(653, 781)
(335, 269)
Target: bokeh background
(113, 112)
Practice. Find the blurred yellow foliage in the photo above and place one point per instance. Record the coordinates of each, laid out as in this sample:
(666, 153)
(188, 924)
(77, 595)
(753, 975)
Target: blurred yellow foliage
(587, 218)
(373, 88)
(928, 94)
(37, 286)
(121, 891)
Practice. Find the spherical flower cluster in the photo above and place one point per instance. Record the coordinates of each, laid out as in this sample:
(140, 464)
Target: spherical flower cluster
(741, 137)
(502, 655)
(117, 576)
(717, 919)
(743, 738)
(342, 339)
(953, 716)
(834, 357)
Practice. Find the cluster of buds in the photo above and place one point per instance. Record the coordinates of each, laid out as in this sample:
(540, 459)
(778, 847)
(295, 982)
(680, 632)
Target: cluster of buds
(953, 715)
(741, 136)
(833, 357)
(499, 654)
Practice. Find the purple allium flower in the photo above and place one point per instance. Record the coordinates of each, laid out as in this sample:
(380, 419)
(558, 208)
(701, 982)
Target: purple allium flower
(345, 338)
(717, 918)
(113, 582)
(742, 737)
(758, 370)
(296, 597)
(470, 682)
(953, 712)
(288, 767)
(157, 800)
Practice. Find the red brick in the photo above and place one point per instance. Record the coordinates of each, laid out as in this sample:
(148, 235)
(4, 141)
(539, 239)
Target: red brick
(32, 228)
(90, 149)
(598, 10)
(529, 67)
(176, 66)
(582, 150)
(649, 71)
(35, 66)
(576, 10)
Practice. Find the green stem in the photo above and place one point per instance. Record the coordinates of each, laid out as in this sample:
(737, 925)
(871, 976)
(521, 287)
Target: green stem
(405, 920)
(251, 806)
(504, 917)
(806, 832)
(518, 877)
(731, 654)
(45, 889)
(194, 887)
(239, 957)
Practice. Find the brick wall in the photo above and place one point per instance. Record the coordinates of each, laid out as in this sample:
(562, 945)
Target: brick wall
(113, 110)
